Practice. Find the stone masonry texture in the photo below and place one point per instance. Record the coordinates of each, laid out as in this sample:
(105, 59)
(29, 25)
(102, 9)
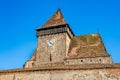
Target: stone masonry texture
(94, 74)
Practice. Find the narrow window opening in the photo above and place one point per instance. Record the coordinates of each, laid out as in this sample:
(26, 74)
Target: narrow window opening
(50, 57)
(90, 60)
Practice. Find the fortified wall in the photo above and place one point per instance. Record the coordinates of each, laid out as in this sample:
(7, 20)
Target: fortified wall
(60, 55)
(80, 72)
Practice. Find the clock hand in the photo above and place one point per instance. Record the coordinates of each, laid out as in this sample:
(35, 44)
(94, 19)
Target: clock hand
(51, 42)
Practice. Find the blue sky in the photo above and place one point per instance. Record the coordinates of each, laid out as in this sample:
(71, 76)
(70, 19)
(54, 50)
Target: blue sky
(20, 18)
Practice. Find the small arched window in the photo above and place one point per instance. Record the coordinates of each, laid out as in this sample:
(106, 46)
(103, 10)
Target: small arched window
(81, 60)
(100, 60)
(32, 64)
(90, 60)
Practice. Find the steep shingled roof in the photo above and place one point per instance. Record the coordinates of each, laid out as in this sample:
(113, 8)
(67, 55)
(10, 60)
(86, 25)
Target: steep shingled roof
(87, 46)
(56, 20)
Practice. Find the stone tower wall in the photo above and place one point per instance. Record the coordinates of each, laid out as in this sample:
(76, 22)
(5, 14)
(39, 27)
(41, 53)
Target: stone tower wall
(51, 54)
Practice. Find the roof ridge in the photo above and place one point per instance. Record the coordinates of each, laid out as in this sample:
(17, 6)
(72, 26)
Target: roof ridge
(55, 20)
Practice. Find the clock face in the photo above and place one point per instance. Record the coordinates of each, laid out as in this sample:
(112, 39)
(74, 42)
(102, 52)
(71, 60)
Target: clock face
(49, 43)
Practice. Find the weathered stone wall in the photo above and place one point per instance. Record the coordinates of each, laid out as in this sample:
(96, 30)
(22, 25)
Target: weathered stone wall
(67, 44)
(52, 54)
(105, 60)
(94, 74)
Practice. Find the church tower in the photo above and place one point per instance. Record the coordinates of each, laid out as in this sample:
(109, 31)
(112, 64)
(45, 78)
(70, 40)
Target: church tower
(53, 41)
